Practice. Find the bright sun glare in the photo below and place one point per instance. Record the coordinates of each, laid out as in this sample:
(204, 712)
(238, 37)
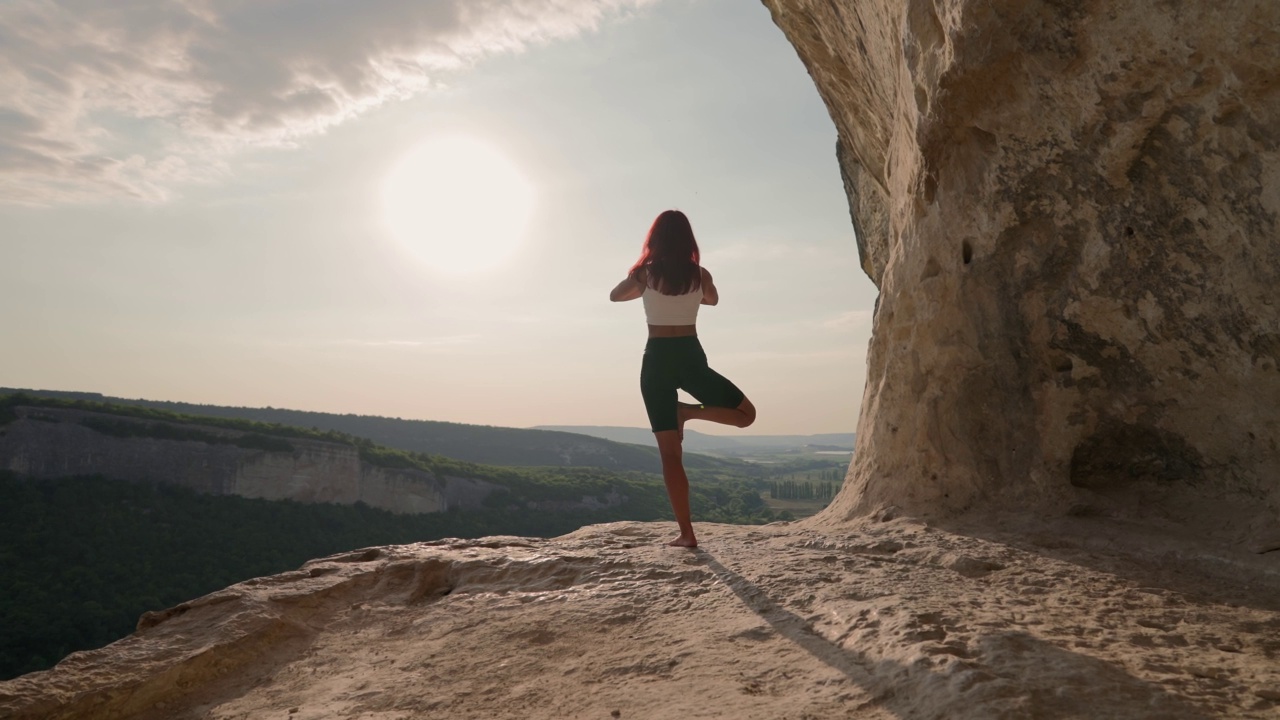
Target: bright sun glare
(458, 203)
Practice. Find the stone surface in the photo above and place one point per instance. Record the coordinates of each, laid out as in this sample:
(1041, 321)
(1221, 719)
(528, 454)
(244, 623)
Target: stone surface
(884, 620)
(1070, 210)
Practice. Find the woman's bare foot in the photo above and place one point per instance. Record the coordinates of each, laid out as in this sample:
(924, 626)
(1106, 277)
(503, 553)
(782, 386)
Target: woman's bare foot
(682, 541)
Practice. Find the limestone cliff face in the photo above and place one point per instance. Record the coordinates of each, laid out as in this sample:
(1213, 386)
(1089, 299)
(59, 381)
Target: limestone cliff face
(1070, 210)
(50, 443)
(322, 472)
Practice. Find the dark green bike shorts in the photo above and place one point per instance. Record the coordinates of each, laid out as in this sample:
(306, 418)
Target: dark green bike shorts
(672, 363)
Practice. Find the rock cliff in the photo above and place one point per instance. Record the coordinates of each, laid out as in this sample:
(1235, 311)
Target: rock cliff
(1070, 210)
(51, 442)
(890, 620)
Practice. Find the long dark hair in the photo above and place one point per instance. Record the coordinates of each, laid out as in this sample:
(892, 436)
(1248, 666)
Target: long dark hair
(670, 255)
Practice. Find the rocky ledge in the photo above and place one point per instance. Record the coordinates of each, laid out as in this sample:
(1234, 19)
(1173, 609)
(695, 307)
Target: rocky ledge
(894, 618)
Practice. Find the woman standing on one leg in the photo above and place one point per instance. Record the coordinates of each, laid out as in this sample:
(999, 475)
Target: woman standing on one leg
(673, 285)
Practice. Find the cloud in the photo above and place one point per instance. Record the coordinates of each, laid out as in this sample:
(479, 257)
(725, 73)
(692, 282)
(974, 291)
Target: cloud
(129, 98)
(851, 320)
(763, 251)
(799, 357)
(429, 343)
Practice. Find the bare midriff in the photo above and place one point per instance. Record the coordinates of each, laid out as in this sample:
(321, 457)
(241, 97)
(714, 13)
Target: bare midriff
(672, 330)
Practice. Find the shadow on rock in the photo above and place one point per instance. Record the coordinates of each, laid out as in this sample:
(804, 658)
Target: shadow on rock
(1007, 674)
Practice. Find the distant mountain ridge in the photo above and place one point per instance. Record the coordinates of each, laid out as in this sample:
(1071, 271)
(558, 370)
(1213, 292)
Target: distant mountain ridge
(54, 442)
(482, 444)
(696, 441)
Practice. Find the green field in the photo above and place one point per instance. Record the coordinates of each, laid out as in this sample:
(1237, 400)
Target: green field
(794, 509)
(802, 492)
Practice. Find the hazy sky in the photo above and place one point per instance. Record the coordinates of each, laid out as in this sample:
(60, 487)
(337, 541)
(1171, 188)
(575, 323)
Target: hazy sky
(195, 205)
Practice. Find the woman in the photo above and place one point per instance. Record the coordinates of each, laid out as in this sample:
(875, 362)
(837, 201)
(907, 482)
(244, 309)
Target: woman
(673, 285)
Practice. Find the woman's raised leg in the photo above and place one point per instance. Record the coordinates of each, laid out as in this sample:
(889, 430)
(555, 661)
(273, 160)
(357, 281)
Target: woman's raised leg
(677, 483)
(741, 416)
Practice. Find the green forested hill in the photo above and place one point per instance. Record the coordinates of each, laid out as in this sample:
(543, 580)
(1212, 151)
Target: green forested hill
(472, 443)
(81, 558)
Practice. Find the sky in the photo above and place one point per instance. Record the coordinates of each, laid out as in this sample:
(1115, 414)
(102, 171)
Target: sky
(416, 208)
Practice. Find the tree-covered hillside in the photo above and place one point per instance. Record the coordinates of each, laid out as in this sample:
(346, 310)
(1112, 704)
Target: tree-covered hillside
(82, 558)
(471, 443)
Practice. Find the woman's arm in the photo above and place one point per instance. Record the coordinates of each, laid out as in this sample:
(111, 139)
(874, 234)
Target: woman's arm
(710, 296)
(631, 287)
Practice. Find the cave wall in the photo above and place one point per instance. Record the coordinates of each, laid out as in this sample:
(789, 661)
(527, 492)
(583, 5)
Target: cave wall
(1070, 210)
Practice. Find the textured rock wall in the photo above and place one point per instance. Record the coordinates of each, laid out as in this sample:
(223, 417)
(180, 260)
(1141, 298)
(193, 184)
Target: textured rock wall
(1070, 209)
(56, 445)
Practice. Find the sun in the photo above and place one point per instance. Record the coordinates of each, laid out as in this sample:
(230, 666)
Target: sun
(457, 203)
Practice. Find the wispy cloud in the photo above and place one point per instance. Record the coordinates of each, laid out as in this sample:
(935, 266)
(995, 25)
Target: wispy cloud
(424, 344)
(763, 251)
(851, 320)
(436, 342)
(795, 357)
(427, 344)
(131, 97)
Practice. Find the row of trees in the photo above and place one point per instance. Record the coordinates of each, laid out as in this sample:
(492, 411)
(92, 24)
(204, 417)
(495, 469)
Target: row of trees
(792, 490)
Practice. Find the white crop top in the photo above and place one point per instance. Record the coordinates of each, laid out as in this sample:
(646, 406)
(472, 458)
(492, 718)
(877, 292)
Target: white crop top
(662, 309)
